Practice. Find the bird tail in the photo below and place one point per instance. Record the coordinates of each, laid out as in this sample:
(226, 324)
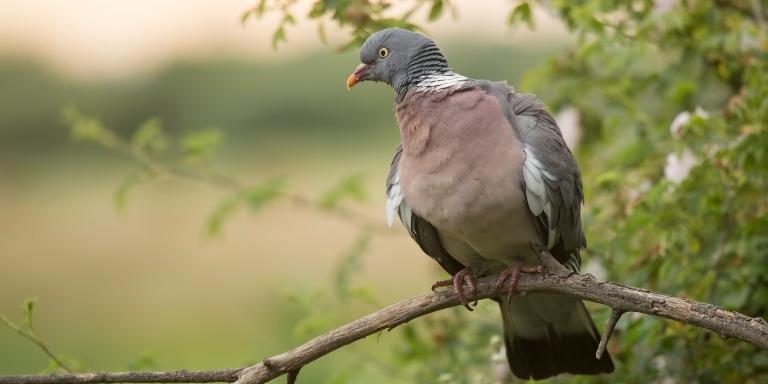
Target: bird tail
(549, 334)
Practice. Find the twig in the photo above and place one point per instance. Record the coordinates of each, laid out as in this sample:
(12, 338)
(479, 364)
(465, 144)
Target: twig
(32, 336)
(585, 287)
(609, 327)
(231, 184)
(215, 376)
(293, 375)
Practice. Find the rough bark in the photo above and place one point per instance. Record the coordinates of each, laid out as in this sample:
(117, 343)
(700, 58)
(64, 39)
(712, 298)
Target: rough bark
(620, 298)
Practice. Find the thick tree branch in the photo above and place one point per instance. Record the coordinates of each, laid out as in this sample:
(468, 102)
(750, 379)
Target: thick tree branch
(215, 376)
(619, 297)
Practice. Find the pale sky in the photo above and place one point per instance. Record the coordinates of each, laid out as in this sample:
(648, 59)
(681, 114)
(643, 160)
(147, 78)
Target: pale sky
(113, 39)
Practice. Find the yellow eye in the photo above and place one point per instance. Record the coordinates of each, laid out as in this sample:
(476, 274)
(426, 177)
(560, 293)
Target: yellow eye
(383, 52)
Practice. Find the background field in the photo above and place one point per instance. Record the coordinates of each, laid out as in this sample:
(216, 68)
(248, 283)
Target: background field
(146, 281)
(665, 101)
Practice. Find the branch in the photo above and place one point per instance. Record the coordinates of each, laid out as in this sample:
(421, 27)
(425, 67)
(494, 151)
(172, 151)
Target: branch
(224, 182)
(609, 327)
(619, 297)
(31, 335)
(161, 165)
(216, 376)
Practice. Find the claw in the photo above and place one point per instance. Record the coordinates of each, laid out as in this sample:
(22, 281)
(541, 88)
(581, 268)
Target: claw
(461, 277)
(513, 275)
(442, 283)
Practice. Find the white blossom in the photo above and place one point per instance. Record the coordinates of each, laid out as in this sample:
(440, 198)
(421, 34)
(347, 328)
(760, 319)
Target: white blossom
(663, 6)
(678, 166)
(679, 122)
(683, 118)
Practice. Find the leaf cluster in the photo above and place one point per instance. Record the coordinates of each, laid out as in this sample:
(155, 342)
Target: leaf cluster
(362, 17)
(653, 82)
(656, 81)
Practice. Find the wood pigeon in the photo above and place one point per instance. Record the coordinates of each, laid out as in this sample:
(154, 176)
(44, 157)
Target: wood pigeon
(481, 179)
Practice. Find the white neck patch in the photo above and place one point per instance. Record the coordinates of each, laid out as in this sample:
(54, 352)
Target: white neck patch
(438, 81)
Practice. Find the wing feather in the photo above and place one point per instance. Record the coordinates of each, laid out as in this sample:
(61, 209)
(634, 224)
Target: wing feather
(423, 232)
(551, 178)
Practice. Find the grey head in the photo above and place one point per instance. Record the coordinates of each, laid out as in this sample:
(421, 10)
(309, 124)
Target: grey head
(399, 58)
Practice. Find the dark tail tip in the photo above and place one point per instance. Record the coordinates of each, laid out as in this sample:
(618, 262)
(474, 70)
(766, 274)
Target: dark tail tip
(546, 357)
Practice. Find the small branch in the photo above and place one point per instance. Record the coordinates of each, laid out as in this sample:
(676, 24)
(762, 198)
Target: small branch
(351, 216)
(609, 327)
(216, 376)
(585, 287)
(292, 376)
(32, 336)
(619, 297)
(224, 182)
(177, 169)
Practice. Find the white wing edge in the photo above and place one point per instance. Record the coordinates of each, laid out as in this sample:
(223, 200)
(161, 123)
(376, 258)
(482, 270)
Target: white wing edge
(536, 191)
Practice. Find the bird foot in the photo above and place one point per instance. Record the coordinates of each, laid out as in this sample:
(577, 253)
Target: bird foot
(512, 274)
(464, 276)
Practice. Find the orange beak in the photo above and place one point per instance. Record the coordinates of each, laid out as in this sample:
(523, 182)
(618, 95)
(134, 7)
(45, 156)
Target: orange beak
(357, 75)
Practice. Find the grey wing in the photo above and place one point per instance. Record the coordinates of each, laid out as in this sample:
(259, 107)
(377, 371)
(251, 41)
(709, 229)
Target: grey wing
(552, 181)
(420, 230)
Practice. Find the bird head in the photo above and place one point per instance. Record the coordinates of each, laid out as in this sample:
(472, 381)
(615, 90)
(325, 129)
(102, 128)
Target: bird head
(396, 56)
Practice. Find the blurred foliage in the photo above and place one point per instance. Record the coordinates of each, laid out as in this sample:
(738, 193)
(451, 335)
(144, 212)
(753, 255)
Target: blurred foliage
(351, 187)
(454, 346)
(363, 17)
(267, 115)
(262, 105)
(654, 82)
(26, 329)
(160, 155)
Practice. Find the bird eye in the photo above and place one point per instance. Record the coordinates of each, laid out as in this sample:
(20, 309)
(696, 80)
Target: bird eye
(383, 52)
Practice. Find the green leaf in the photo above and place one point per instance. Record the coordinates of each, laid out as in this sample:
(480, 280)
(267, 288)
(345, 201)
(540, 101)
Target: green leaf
(200, 145)
(29, 312)
(265, 193)
(150, 136)
(120, 196)
(261, 8)
(84, 128)
(521, 14)
(221, 213)
(245, 16)
(350, 187)
(145, 362)
(278, 36)
(255, 197)
(288, 19)
(436, 10)
(29, 308)
(318, 9)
